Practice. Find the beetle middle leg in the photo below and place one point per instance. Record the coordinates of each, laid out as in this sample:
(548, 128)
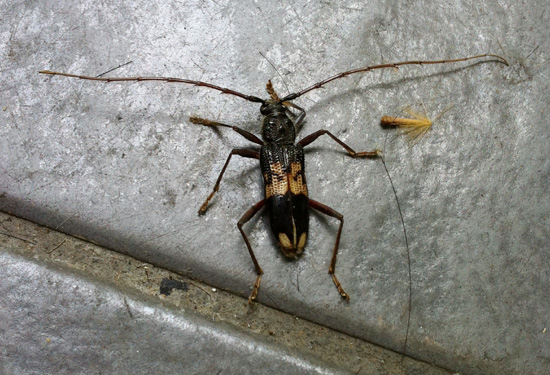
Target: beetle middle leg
(247, 153)
(246, 134)
(249, 214)
(313, 136)
(333, 213)
(253, 154)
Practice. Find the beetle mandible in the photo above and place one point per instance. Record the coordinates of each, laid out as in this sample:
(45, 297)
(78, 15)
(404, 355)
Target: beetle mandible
(282, 162)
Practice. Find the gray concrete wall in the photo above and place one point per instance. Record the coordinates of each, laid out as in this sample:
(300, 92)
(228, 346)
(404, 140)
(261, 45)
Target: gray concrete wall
(120, 164)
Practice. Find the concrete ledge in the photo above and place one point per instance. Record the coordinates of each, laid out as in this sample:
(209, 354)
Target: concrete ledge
(70, 307)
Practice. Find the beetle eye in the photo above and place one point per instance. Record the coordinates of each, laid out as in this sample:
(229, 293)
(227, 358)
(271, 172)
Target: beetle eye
(263, 109)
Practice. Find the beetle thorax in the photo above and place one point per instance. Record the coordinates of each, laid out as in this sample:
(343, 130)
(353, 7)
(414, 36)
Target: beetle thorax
(277, 127)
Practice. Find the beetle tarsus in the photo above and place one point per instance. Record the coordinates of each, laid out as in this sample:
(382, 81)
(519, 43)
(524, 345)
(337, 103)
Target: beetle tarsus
(339, 287)
(255, 288)
(204, 206)
(366, 154)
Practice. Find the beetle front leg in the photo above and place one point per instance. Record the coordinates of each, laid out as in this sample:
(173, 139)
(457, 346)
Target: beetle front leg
(312, 137)
(214, 124)
(298, 120)
(246, 153)
(330, 212)
(246, 217)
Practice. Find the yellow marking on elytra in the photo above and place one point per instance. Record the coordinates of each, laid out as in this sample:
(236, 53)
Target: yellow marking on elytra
(414, 128)
(268, 187)
(297, 185)
(302, 241)
(293, 233)
(285, 241)
(282, 182)
(279, 181)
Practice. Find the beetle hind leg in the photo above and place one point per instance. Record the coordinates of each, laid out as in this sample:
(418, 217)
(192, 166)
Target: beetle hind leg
(332, 213)
(351, 152)
(249, 214)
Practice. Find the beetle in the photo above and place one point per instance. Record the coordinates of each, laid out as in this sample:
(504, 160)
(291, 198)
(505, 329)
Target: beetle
(282, 161)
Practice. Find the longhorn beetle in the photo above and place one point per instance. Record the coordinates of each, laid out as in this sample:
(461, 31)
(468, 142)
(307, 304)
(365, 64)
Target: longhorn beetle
(282, 161)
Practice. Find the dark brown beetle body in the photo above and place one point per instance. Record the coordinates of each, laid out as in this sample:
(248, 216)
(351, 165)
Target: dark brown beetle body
(282, 165)
(285, 189)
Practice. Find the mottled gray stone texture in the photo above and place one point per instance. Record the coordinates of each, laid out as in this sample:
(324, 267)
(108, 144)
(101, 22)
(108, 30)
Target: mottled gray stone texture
(122, 166)
(86, 328)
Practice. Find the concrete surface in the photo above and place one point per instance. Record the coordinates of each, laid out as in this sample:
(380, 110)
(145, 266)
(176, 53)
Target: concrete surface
(111, 333)
(120, 164)
(72, 307)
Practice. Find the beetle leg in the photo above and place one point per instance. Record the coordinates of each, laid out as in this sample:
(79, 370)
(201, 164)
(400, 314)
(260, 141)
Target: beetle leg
(241, 152)
(201, 121)
(330, 212)
(249, 214)
(298, 120)
(313, 136)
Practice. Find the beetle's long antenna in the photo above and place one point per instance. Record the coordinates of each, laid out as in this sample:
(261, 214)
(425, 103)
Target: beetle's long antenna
(384, 66)
(404, 350)
(223, 90)
(115, 68)
(276, 70)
